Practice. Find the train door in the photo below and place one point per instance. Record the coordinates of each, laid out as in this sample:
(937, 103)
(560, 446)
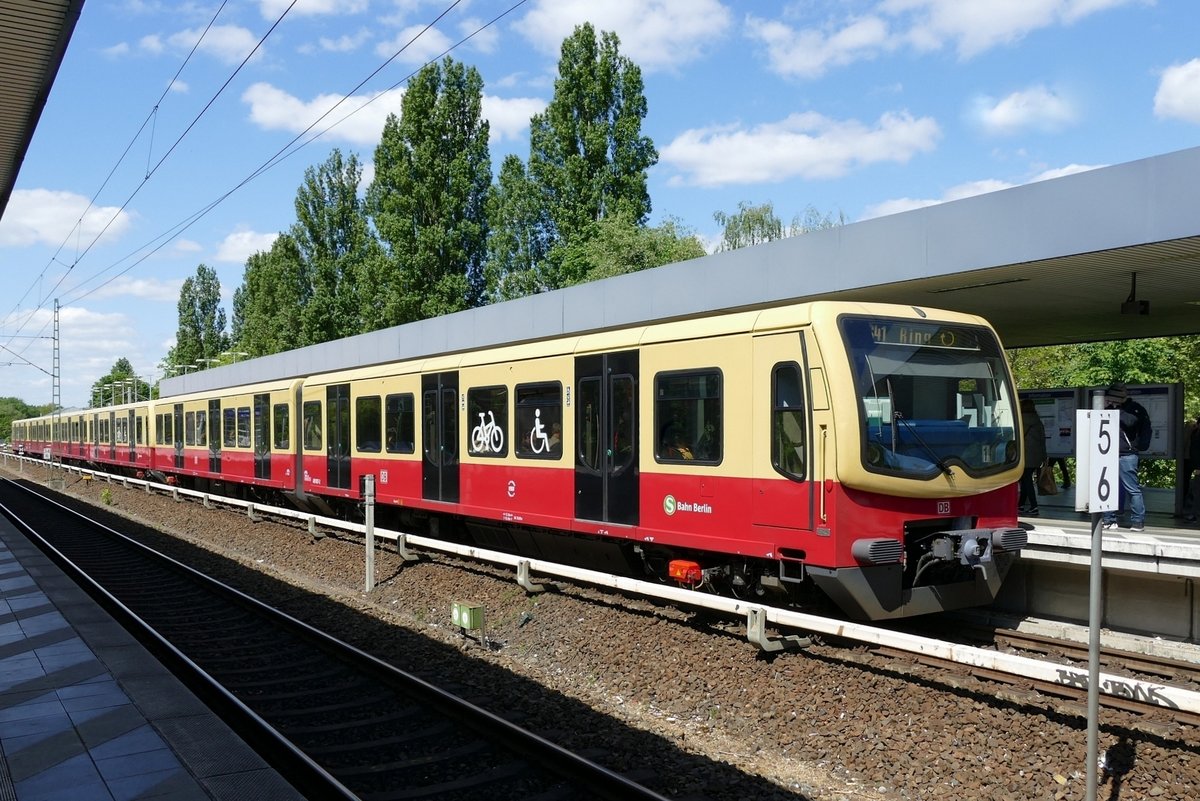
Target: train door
(177, 428)
(112, 436)
(606, 433)
(337, 441)
(439, 437)
(783, 440)
(214, 436)
(262, 436)
(130, 428)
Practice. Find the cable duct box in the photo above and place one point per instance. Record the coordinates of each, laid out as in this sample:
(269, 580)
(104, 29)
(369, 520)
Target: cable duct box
(1135, 307)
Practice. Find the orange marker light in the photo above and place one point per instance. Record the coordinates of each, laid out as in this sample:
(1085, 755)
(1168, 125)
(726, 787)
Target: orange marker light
(686, 571)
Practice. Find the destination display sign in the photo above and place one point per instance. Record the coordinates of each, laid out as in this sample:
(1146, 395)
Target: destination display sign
(906, 332)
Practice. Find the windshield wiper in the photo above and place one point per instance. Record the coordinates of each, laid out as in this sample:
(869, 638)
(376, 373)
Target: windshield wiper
(937, 460)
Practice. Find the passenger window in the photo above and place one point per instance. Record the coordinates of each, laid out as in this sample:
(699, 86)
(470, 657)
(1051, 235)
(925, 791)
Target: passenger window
(312, 425)
(202, 428)
(243, 426)
(229, 436)
(487, 414)
(399, 422)
(282, 431)
(787, 420)
(539, 421)
(189, 428)
(687, 417)
(367, 424)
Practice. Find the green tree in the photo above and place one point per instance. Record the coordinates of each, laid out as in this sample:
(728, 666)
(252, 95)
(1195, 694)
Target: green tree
(201, 333)
(753, 225)
(120, 385)
(617, 246)
(333, 238)
(432, 177)
(519, 239)
(588, 160)
(266, 307)
(17, 409)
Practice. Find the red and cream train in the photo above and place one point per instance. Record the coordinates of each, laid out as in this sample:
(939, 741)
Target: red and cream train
(866, 451)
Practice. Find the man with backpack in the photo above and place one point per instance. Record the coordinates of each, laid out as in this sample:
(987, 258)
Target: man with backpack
(1135, 434)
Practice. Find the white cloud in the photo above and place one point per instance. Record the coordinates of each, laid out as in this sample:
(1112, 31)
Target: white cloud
(808, 48)
(180, 86)
(808, 53)
(43, 216)
(151, 43)
(969, 189)
(1036, 108)
(346, 43)
(227, 43)
(508, 117)
(1178, 95)
(151, 289)
(807, 146)
(415, 45)
(241, 245)
(275, 110)
(655, 34)
(117, 50)
(271, 9)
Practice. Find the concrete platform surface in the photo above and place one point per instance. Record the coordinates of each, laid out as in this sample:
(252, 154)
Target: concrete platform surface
(87, 713)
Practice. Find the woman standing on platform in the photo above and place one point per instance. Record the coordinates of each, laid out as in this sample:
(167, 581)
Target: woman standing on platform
(1035, 457)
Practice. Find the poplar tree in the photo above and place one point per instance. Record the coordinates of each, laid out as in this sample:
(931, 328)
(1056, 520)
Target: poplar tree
(335, 245)
(432, 177)
(588, 161)
(268, 306)
(201, 332)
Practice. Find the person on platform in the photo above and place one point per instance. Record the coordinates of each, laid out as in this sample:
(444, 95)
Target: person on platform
(1136, 431)
(1035, 456)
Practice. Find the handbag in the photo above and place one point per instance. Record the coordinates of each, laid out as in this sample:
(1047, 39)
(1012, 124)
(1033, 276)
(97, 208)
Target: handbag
(1045, 483)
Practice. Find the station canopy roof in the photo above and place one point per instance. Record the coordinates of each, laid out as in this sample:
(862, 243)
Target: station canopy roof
(33, 39)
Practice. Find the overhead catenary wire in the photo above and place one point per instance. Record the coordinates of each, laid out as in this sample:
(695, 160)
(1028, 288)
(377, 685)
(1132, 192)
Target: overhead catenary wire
(42, 300)
(285, 152)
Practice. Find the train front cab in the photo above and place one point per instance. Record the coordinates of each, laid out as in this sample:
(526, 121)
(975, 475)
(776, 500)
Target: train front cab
(916, 462)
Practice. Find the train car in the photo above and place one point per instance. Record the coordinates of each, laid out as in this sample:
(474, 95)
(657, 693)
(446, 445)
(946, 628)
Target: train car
(114, 437)
(869, 451)
(241, 437)
(865, 454)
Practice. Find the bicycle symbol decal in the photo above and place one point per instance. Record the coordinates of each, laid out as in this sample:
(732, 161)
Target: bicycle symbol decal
(487, 436)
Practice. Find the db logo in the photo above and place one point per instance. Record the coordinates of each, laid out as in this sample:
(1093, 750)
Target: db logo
(943, 507)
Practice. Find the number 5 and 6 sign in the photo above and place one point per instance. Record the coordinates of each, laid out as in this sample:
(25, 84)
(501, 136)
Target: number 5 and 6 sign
(1097, 460)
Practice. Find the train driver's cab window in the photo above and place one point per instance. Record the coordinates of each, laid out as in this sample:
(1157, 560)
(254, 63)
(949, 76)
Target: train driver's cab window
(487, 417)
(312, 425)
(281, 435)
(787, 420)
(368, 424)
(400, 423)
(687, 417)
(539, 421)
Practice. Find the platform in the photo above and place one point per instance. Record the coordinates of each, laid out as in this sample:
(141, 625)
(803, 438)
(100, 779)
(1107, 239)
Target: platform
(87, 713)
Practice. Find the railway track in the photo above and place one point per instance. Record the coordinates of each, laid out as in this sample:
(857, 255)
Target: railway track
(338, 722)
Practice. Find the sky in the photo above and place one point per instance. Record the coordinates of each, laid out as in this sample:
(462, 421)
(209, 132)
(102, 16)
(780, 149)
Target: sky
(177, 133)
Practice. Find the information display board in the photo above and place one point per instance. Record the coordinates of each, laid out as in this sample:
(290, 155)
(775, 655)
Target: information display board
(1056, 407)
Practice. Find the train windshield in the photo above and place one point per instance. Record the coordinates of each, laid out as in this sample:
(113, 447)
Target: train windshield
(931, 396)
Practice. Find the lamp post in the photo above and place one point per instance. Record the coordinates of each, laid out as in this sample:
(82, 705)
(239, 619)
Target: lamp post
(234, 355)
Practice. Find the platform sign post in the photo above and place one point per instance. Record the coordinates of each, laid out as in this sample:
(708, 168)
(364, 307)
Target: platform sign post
(369, 500)
(1097, 470)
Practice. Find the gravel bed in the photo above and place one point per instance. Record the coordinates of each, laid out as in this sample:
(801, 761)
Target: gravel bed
(689, 708)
